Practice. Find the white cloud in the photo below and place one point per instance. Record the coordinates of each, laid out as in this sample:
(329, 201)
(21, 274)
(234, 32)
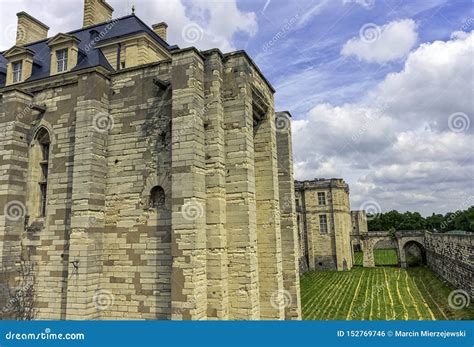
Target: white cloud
(396, 146)
(216, 22)
(377, 44)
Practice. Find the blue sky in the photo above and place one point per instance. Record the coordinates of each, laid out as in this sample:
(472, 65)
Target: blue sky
(314, 46)
(380, 91)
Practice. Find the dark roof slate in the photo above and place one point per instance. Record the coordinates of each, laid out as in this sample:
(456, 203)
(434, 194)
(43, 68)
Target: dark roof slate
(88, 55)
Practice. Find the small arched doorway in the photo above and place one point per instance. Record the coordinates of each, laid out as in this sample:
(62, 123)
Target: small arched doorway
(413, 254)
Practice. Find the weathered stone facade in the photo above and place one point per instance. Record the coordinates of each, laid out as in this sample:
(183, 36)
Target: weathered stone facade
(448, 255)
(406, 242)
(324, 223)
(168, 189)
(451, 257)
(359, 227)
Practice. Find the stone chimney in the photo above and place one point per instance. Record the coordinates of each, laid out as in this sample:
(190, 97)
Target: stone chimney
(29, 29)
(160, 29)
(96, 11)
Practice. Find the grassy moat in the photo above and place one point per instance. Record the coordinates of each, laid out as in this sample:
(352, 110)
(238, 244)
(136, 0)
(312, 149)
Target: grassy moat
(380, 293)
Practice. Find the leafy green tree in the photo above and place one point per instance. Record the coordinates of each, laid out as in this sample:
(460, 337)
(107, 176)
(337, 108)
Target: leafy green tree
(465, 220)
(458, 220)
(434, 221)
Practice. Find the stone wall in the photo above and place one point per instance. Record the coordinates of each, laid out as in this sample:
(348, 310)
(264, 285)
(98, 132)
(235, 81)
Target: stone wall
(289, 228)
(324, 249)
(359, 226)
(170, 195)
(451, 257)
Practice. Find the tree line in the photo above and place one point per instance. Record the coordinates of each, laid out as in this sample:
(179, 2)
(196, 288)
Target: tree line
(459, 220)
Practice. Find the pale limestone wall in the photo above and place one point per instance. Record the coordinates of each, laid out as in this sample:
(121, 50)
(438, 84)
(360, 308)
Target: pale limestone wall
(359, 226)
(241, 216)
(13, 172)
(213, 248)
(137, 238)
(29, 30)
(47, 239)
(304, 246)
(188, 188)
(88, 198)
(332, 249)
(96, 11)
(216, 212)
(289, 228)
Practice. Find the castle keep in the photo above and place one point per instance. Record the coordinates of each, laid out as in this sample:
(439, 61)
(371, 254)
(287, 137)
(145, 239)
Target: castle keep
(144, 180)
(324, 224)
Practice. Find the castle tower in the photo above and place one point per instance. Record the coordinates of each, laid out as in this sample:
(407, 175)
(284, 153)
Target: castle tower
(325, 219)
(150, 179)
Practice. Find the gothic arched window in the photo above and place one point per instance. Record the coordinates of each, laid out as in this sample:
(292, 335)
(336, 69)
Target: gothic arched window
(39, 155)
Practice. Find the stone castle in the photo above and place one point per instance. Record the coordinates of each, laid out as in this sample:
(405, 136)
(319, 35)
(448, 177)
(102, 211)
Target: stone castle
(146, 179)
(324, 224)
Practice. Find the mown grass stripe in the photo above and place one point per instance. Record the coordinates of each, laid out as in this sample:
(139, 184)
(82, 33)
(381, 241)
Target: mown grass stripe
(427, 293)
(413, 304)
(342, 311)
(310, 306)
(341, 294)
(419, 298)
(378, 293)
(333, 298)
(356, 293)
(405, 310)
(390, 299)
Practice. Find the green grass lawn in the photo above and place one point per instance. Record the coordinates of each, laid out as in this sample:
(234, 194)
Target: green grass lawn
(383, 257)
(378, 293)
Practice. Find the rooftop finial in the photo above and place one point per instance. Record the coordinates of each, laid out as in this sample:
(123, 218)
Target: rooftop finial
(133, 9)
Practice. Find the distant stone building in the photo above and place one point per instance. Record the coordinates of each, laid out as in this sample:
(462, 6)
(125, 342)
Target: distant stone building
(359, 226)
(324, 224)
(146, 181)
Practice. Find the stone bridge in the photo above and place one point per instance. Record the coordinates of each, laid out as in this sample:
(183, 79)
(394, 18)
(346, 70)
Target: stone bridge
(402, 239)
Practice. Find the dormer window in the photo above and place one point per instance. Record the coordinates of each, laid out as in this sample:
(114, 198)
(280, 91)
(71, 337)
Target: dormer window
(20, 64)
(64, 53)
(61, 56)
(17, 68)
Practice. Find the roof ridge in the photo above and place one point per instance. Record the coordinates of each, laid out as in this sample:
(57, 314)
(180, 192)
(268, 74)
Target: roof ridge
(102, 23)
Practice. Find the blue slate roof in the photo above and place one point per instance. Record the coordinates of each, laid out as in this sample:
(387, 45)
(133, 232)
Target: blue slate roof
(121, 27)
